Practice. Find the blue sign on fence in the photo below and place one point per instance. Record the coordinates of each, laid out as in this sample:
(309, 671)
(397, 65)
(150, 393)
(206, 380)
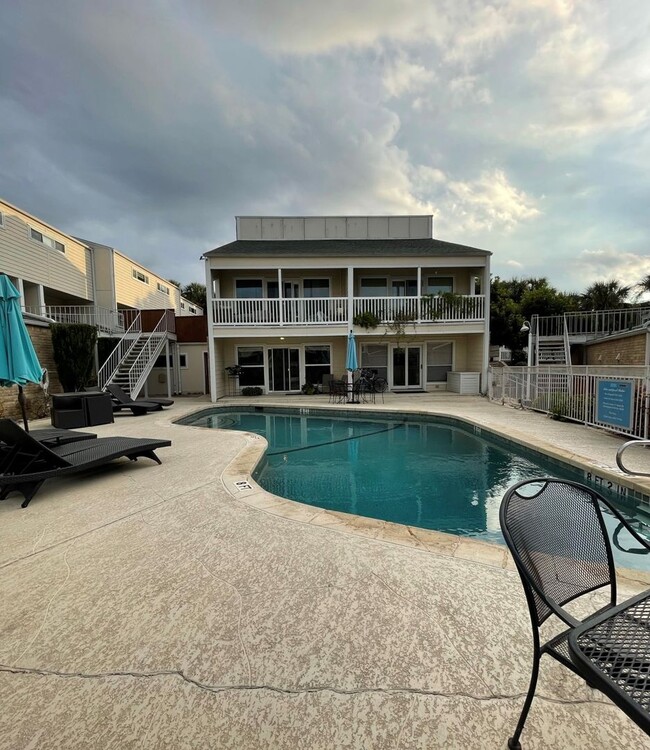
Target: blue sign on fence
(614, 403)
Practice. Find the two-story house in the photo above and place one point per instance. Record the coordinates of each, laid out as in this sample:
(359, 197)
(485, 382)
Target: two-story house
(283, 297)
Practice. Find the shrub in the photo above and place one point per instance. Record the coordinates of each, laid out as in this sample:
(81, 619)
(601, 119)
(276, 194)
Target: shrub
(366, 320)
(252, 390)
(309, 389)
(74, 353)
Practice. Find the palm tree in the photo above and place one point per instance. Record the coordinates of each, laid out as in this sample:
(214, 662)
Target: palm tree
(643, 287)
(605, 295)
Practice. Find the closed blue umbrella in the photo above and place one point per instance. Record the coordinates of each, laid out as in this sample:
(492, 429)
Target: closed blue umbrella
(351, 362)
(19, 364)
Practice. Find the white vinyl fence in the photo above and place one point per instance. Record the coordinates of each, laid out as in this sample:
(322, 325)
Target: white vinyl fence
(614, 398)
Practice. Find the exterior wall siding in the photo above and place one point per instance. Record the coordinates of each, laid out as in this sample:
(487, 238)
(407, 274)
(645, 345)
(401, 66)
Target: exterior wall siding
(129, 292)
(69, 272)
(333, 227)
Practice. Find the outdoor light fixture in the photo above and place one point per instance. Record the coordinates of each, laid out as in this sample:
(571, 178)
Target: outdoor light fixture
(525, 328)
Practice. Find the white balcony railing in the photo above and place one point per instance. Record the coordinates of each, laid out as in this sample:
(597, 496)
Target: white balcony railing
(287, 312)
(106, 321)
(456, 309)
(334, 310)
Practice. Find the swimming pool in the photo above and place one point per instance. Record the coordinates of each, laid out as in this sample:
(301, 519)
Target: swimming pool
(431, 472)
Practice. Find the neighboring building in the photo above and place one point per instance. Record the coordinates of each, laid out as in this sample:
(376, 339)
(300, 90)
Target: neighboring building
(71, 280)
(284, 295)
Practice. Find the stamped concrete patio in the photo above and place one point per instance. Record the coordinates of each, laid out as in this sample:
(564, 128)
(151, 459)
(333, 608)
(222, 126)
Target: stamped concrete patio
(150, 606)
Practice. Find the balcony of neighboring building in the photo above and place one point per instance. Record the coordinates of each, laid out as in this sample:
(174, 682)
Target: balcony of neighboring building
(308, 298)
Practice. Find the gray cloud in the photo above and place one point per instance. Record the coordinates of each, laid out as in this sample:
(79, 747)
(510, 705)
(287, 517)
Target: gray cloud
(148, 126)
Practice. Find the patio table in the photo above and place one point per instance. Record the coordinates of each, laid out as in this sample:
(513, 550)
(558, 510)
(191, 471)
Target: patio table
(612, 652)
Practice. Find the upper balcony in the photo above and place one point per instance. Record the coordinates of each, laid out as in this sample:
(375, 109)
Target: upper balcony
(329, 311)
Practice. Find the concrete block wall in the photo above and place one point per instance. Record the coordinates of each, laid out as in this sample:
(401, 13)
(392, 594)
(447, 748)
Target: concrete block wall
(37, 403)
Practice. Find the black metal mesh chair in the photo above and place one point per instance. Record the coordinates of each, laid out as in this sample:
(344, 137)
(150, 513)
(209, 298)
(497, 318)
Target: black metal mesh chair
(557, 536)
(338, 391)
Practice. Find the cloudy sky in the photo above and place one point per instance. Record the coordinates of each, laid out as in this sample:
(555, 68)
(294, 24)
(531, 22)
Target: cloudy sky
(522, 125)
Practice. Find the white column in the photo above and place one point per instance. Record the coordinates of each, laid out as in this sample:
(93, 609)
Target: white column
(41, 298)
(21, 289)
(211, 348)
(486, 334)
(419, 287)
(350, 297)
(168, 369)
(280, 298)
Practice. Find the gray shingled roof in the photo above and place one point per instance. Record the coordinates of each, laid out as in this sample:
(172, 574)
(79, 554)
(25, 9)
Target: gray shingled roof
(331, 248)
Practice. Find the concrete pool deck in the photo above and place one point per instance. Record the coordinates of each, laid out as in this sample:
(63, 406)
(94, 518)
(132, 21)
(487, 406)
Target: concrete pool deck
(150, 607)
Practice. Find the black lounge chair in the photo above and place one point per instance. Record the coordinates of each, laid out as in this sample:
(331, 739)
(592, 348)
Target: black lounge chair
(557, 536)
(120, 396)
(25, 463)
(53, 436)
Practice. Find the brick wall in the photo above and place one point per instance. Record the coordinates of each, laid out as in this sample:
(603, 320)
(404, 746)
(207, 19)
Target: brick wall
(631, 349)
(37, 403)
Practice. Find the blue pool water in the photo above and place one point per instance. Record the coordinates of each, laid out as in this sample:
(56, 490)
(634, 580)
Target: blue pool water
(435, 474)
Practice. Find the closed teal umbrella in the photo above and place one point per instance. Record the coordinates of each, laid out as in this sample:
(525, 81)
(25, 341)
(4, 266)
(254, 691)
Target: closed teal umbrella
(19, 364)
(351, 362)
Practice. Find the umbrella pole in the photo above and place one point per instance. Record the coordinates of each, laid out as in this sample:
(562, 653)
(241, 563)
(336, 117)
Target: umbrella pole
(21, 401)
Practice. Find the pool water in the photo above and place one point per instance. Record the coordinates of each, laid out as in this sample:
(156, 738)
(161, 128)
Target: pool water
(422, 472)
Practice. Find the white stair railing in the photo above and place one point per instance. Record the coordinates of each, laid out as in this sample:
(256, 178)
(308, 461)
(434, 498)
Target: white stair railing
(145, 360)
(108, 370)
(567, 343)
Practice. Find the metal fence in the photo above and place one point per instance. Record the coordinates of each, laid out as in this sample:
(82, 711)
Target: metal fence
(613, 398)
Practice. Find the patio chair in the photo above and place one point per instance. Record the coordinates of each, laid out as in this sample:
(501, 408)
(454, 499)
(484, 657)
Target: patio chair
(558, 539)
(338, 391)
(120, 396)
(52, 436)
(25, 463)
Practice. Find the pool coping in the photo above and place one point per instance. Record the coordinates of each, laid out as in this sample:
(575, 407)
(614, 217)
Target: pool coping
(238, 481)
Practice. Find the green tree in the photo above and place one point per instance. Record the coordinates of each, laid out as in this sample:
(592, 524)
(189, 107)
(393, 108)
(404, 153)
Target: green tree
(73, 345)
(605, 295)
(175, 283)
(195, 292)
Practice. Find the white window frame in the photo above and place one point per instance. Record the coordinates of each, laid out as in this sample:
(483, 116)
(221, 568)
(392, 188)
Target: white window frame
(162, 288)
(442, 276)
(51, 243)
(181, 355)
(437, 342)
(328, 279)
(143, 280)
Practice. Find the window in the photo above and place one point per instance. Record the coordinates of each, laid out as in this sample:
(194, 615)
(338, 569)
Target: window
(140, 276)
(439, 361)
(251, 358)
(374, 288)
(182, 305)
(45, 240)
(160, 361)
(162, 288)
(375, 357)
(316, 287)
(317, 364)
(440, 284)
(405, 288)
(249, 289)
(193, 310)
